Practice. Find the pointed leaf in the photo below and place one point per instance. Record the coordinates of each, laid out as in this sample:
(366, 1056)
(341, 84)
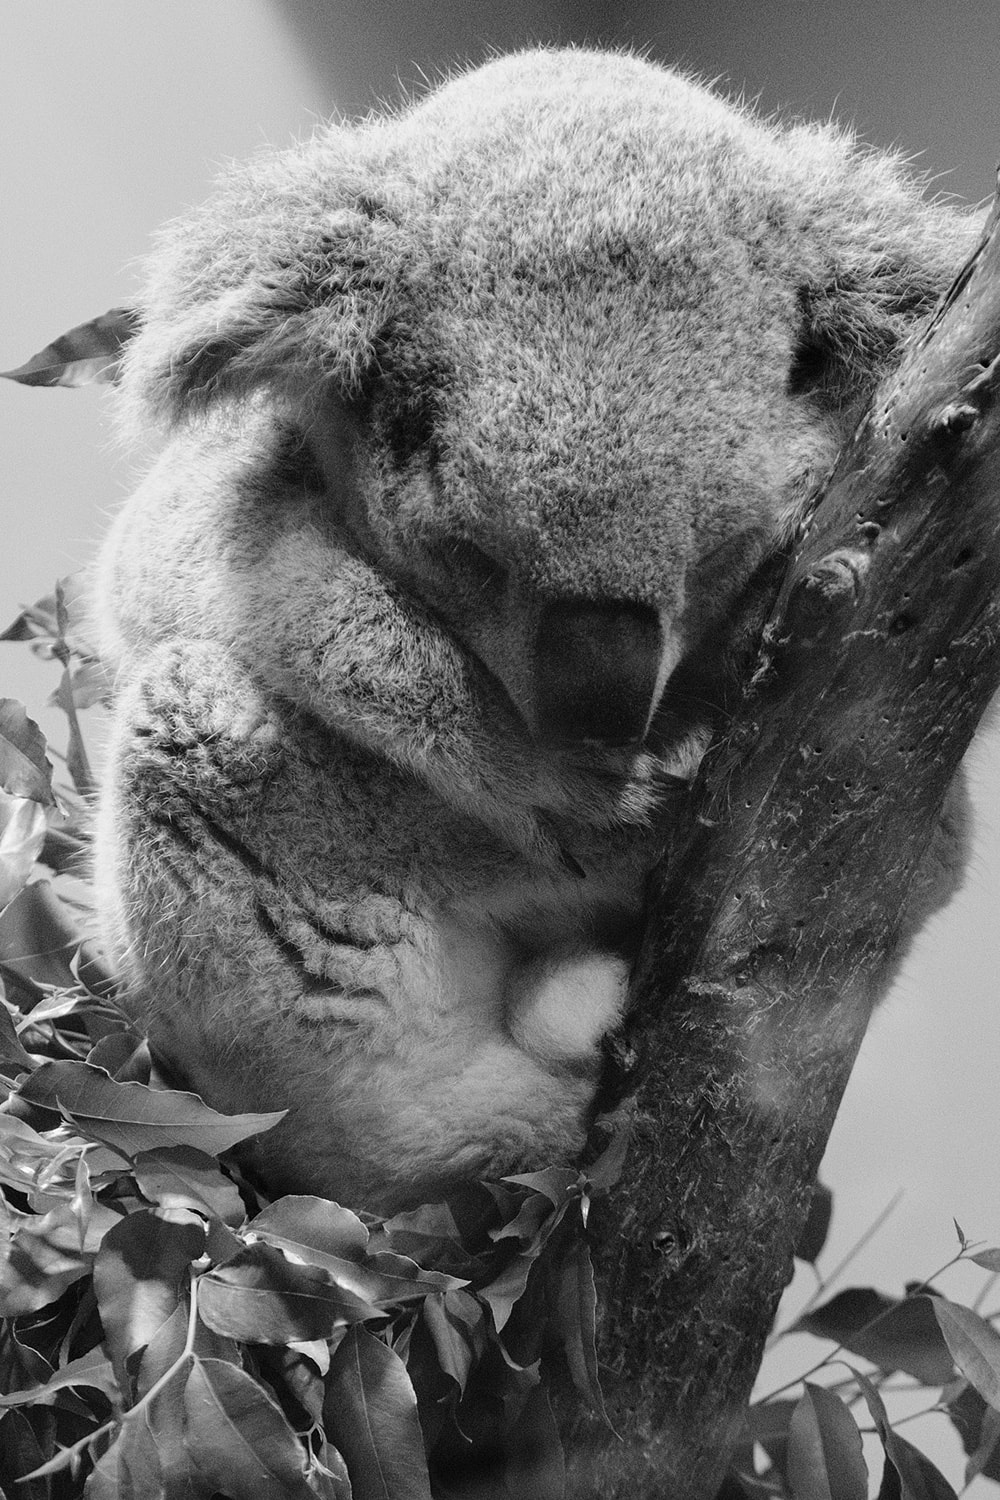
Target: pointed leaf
(239, 1438)
(576, 1312)
(988, 1259)
(137, 1279)
(554, 1183)
(370, 1414)
(181, 1177)
(456, 1324)
(124, 1054)
(308, 1230)
(432, 1235)
(918, 1478)
(534, 1213)
(131, 1117)
(976, 1424)
(400, 1279)
(21, 1453)
(506, 1289)
(41, 621)
(44, 1257)
(812, 1236)
(824, 1457)
(24, 769)
(13, 1058)
(91, 351)
(603, 1173)
(304, 1224)
(92, 1369)
(165, 1364)
(260, 1297)
(894, 1334)
(983, 1459)
(23, 826)
(974, 1345)
(40, 939)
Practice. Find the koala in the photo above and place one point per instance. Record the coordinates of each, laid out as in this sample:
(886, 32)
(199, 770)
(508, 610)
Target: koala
(478, 420)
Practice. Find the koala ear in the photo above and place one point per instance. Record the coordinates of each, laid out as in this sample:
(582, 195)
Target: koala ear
(257, 289)
(878, 257)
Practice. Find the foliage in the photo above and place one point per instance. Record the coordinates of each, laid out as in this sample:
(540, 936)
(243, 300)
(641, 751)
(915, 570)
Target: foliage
(167, 1332)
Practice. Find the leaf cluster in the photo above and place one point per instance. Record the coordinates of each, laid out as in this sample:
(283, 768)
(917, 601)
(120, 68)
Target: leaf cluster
(810, 1448)
(179, 1336)
(165, 1329)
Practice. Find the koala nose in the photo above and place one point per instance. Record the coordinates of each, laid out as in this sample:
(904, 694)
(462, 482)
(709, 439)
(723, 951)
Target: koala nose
(597, 670)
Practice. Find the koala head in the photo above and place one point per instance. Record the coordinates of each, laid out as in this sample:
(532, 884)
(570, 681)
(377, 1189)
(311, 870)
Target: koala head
(567, 342)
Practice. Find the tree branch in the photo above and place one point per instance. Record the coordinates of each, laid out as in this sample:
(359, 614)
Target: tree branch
(772, 936)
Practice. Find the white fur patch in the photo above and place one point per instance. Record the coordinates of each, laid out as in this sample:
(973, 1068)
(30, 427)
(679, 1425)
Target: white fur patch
(561, 1007)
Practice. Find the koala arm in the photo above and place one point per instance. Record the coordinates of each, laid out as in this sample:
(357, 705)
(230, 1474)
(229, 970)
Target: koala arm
(239, 855)
(314, 623)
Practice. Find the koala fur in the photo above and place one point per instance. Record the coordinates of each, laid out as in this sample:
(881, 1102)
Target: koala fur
(479, 418)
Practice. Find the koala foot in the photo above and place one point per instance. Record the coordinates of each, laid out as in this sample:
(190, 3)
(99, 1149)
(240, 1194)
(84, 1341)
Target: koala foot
(559, 1008)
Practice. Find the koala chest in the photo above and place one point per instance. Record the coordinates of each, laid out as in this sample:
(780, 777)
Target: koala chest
(463, 945)
(536, 966)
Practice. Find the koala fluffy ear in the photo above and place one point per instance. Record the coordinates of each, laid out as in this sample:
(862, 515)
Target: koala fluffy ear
(281, 279)
(880, 255)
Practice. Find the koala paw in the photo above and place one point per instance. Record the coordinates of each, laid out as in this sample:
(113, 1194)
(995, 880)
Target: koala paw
(604, 789)
(197, 721)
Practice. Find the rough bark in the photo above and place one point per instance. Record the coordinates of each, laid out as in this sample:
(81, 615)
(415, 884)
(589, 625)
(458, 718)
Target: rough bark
(771, 938)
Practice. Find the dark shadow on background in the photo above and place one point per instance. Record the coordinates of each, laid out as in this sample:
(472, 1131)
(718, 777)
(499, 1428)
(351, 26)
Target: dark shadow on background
(885, 67)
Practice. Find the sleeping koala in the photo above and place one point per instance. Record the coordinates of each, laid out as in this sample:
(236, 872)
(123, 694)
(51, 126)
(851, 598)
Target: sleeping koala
(480, 418)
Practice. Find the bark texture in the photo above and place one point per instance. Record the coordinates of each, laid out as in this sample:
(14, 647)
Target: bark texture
(772, 936)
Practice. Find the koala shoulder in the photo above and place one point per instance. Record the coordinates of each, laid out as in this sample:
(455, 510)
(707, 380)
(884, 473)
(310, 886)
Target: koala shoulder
(210, 501)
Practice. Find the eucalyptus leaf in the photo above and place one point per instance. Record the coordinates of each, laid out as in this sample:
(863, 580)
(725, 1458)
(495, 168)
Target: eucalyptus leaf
(975, 1347)
(918, 1478)
(576, 1314)
(24, 768)
(89, 352)
(239, 1440)
(824, 1459)
(895, 1334)
(182, 1177)
(370, 1413)
(261, 1297)
(132, 1117)
(137, 1279)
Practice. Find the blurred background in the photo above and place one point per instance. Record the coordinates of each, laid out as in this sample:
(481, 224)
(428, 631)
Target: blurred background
(115, 116)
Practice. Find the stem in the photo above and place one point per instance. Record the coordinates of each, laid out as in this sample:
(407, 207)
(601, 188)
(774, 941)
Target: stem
(76, 759)
(825, 1282)
(918, 1291)
(65, 1456)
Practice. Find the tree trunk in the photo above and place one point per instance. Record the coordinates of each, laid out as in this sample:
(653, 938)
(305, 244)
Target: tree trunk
(771, 938)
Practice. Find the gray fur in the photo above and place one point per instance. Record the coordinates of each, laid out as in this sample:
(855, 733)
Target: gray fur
(476, 416)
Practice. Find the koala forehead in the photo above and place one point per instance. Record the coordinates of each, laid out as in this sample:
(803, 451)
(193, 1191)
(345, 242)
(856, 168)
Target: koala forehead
(594, 325)
(562, 295)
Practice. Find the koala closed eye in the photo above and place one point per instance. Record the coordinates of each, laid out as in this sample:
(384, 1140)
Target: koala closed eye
(480, 424)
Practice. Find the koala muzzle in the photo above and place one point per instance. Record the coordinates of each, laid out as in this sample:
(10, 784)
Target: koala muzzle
(597, 671)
